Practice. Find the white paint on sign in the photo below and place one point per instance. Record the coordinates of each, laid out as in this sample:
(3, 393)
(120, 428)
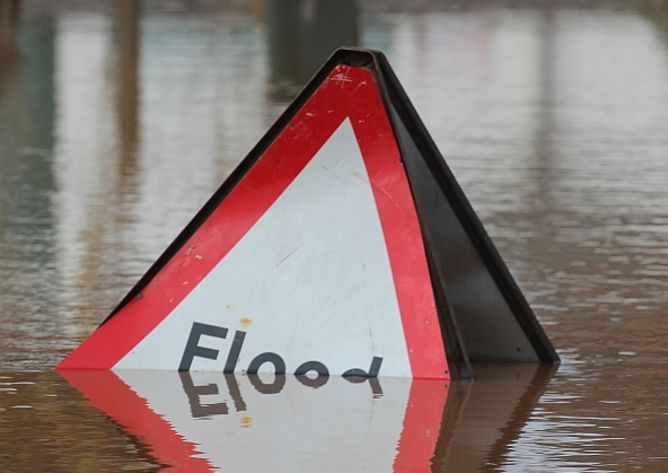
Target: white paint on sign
(311, 280)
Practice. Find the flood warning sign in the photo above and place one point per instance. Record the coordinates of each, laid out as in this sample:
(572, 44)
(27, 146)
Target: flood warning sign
(335, 247)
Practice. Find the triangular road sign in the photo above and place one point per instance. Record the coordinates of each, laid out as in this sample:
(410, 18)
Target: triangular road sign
(342, 244)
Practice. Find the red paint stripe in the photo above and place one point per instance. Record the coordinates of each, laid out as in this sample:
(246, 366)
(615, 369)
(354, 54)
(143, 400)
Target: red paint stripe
(403, 236)
(347, 92)
(113, 397)
(422, 426)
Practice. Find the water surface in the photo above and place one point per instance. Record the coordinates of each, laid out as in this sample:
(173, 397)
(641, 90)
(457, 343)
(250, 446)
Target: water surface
(117, 121)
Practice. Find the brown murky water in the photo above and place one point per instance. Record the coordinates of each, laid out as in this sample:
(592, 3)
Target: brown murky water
(117, 121)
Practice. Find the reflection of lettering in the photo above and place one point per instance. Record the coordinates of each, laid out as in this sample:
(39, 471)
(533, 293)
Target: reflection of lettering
(199, 408)
(195, 392)
(233, 388)
(321, 371)
(357, 375)
(274, 387)
(193, 349)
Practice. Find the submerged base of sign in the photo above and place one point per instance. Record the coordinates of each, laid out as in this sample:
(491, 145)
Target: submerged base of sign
(342, 244)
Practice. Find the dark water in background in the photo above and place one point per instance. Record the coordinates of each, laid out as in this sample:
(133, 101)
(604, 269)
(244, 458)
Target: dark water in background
(118, 121)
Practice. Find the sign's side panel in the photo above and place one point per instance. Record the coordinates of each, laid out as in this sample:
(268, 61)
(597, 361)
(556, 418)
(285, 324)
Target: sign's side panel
(488, 327)
(495, 321)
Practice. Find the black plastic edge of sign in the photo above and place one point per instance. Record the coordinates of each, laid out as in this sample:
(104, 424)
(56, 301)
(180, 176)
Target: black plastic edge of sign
(397, 97)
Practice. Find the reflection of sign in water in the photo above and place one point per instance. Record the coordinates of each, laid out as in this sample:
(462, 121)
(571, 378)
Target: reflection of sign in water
(194, 421)
(210, 422)
(342, 238)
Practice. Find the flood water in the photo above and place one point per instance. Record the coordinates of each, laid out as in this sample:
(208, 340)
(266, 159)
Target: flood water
(118, 120)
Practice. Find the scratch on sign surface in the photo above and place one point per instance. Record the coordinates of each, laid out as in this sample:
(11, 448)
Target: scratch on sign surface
(286, 257)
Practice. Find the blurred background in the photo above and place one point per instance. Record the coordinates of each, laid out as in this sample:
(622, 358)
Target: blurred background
(119, 119)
